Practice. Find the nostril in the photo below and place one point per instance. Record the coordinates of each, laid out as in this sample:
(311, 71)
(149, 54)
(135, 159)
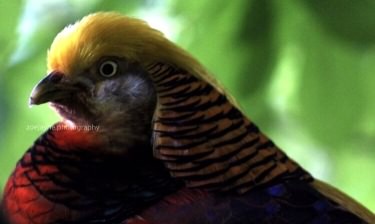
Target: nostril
(55, 77)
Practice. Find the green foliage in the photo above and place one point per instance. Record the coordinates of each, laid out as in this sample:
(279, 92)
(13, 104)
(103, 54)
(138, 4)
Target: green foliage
(302, 70)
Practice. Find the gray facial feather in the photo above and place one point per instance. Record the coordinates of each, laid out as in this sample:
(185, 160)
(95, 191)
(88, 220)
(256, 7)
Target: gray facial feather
(124, 107)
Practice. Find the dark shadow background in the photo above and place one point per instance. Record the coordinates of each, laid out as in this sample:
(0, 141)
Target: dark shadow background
(302, 70)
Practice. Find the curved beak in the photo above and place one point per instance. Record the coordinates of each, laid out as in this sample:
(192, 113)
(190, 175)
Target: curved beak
(50, 89)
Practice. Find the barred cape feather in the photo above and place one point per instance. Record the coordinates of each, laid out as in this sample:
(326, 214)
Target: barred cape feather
(205, 140)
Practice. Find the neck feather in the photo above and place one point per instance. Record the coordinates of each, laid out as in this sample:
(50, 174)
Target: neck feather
(206, 141)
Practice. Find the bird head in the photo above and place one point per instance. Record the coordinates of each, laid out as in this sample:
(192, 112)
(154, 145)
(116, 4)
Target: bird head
(97, 74)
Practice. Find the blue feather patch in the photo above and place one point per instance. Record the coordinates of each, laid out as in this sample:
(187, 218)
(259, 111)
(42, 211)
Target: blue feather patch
(276, 191)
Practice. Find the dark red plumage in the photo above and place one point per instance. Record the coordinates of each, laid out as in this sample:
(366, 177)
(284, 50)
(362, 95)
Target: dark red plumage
(57, 183)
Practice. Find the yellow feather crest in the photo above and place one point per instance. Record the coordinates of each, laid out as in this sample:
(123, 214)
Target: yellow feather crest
(79, 46)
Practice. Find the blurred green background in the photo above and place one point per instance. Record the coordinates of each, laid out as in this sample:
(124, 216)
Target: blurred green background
(302, 70)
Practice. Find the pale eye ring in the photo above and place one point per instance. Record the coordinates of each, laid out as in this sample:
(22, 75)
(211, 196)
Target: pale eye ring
(108, 68)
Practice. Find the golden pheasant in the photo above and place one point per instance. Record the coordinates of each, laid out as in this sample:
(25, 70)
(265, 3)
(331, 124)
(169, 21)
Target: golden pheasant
(147, 136)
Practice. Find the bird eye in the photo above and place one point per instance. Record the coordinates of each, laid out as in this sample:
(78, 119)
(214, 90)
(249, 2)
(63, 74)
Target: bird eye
(108, 68)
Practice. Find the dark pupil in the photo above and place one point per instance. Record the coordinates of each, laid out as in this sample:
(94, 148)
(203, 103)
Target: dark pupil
(107, 69)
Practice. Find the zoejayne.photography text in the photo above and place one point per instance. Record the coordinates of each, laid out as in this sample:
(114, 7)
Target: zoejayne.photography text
(35, 127)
